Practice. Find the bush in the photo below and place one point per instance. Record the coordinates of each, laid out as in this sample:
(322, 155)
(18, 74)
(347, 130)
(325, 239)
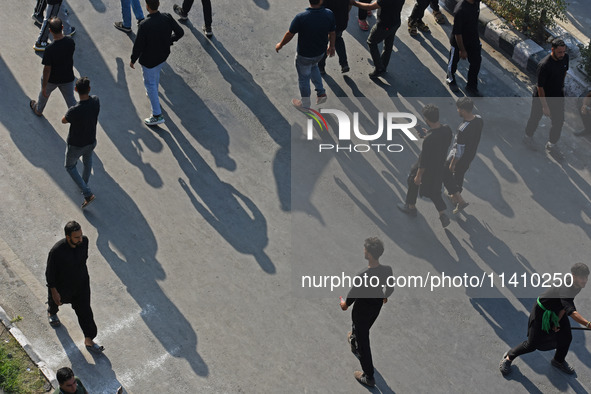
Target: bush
(586, 59)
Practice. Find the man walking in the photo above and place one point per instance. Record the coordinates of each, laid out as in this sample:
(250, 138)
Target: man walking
(55, 9)
(426, 175)
(549, 326)
(368, 302)
(82, 137)
(388, 22)
(58, 68)
(126, 7)
(68, 282)
(152, 46)
(463, 152)
(548, 97)
(316, 27)
(415, 21)
(465, 44)
(183, 12)
(340, 9)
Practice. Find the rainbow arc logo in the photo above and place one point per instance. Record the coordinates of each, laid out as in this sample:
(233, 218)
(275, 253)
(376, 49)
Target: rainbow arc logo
(315, 115)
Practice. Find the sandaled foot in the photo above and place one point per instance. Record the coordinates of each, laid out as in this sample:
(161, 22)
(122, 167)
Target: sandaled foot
(54, 321)
(95, 348)
(439, 17)
(460, 207)
(33, 105)
(87, 201)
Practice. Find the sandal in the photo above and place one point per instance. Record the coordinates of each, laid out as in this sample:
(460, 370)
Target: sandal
(439, 18)
(54, 321)
(460, 207)
(95, 348)
(87, 201)
(423, 27)
(33, 105)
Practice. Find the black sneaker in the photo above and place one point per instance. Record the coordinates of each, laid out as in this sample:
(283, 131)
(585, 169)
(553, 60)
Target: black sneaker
(563, 366)
(529, 143)
(179, 11)
(322, 70)
(409, 211)
(345, 69)
(72, 32)
(363, 379)
(119, 26)
(473, 91)
(208, 32)
(453, 86)
(505, 365)
(40, 46)
(37, 19)
(444, 220)
(554, 151)
(376, 73)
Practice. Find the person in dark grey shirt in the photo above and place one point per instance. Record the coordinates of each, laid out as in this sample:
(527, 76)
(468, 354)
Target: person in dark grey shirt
(82, 137)
(368, 300)
(549, 326)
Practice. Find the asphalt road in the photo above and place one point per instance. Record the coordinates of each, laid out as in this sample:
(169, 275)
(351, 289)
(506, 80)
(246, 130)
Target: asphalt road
(202, 228)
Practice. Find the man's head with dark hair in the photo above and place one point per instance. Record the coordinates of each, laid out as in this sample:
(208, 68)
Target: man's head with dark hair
(55, 25)
(558, 49)
(64, 374)
(557, 42)
(71, 226)
(431, 113)
(83, 85)
(153, 4)
(465, 104)
(580, 269)
(315, 2)
(374, 246)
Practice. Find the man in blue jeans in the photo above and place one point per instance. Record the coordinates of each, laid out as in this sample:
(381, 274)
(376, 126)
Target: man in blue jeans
(82, 118)
(126, 7)
(151, 47)
(316, 27)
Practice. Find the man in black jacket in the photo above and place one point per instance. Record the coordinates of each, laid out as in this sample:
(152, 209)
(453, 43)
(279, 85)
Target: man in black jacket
(152, 46)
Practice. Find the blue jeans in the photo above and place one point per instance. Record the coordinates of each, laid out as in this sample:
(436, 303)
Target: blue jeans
(151, 81)
(54, 10)
(73, 153)
(307, 68)
(126, 6)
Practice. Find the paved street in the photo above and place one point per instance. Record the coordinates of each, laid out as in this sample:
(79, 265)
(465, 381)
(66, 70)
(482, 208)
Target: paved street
(202, 228)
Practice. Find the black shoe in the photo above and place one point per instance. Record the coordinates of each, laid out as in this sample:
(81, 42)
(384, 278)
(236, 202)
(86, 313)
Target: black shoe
(529, 142)
(563, 366)
(37, 19)
(322, 70)
(179, 11)
(119, 26)
(345, 69)
(505, 365)
(554, 151)
(208, 32)
(444, 220)
(376, 73)
(473, 91)
(405, 208)
(72, 32)
(581, 133)
(363, 379)
(453, 86)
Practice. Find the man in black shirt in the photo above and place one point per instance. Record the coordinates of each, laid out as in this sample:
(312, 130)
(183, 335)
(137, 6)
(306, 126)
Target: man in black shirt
(463, 152)
(68, 282)
(388, 22)
(340, 9)
(465, 44)
(426, 175)
(548, 326)
(58, 68)
(155, 35)
(368, 300)
(548, 97)
(82, 137)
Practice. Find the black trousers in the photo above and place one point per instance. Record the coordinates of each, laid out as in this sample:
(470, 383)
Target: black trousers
(474, 58)
(376, 36)
(538, 339)
(81, 304)
(40, 7)
(362, 14)
(187, 4)
(453, 181)
(586, 120)
(413, 191)
(418, 10)
(339, 46)
(556, 105)
(365, 313)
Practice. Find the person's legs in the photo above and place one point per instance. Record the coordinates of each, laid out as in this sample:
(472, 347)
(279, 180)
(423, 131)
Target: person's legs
(449, 180)
(388, 45)
(87, 161)
(138, 11)
(316, 77)
(206, 12)
(51, 11)
(534, 335)
(452, 64)
(72, 155)
(376, 36)
(362, 14)
(67, 91)
(339, 46)
(413, 189)
(126, 13)
(42, 100)
(534, 116)
(151, 82)
(304, 70)
(81, 305)
(556, 105)
(459, 173)
(564, 339)
(63, 15)
(475, 59)
(187, 4)
(434, 5)
(418, 10)
(52, 307)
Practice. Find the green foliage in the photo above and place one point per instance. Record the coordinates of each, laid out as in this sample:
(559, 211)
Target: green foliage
(586, 59)
(9, 371)
(18, 375)
(530, 16)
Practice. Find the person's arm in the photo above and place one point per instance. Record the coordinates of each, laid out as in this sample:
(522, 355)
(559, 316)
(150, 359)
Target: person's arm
(177, 31)
(51, 278)
(64, 120)
(286, 38)
(367, 7)
(542, 96)
(576, 316)
(331, 43)
(419, 176)
(460, 44)
(138, 47)
(46, 73)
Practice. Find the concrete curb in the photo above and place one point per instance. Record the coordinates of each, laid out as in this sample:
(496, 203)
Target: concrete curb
(524, 52)
(22, 340)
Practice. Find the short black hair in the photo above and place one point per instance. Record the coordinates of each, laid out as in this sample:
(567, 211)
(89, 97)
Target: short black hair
(314, 2)
(465, 103)
(580, 269)
(558, 42)
(431, 113)
(374, 246)
(55, 25)
(71, 226)
(153, 4)
(83, 85)
(64, 374)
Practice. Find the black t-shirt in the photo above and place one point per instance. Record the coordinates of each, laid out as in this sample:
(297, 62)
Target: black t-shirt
(559, 298)
(60, 56)
(66, 268)
(83, 117)
(466, 24)
(377, 289)
(551, 74)
(466, 141)
(389, 13)
(340, 9)
(312, 27)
